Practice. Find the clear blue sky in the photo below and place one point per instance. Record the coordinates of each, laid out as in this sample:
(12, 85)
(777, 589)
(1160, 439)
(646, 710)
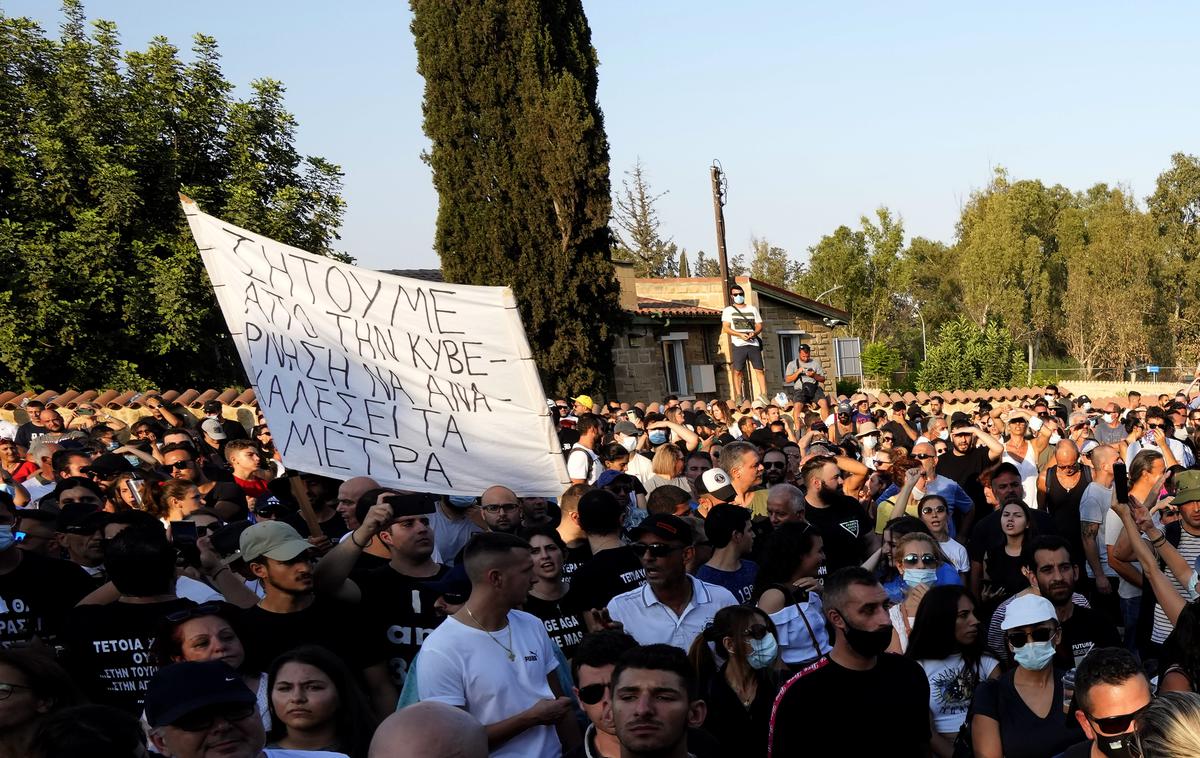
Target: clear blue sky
(819, 112)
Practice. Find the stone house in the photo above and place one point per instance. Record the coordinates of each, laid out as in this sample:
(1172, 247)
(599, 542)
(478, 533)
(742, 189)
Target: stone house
(674, 345)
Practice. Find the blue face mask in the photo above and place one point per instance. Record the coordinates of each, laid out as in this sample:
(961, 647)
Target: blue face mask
(7, 538)
(739, 299)
(763, 652)
(658, 436)
(915, 576)
(1034, 656)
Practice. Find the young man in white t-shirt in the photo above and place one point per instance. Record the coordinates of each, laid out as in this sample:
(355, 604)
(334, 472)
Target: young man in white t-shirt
(498, 663)
(743, 324)
(583, 465)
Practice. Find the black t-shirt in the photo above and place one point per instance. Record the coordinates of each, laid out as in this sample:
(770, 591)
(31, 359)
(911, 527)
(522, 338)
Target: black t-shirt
(1078, 750)
(608, 574)
(37, 596)
(820, 702)
(988, 533)
(1023, 734)
(1085, 630)
(574, 559)
(845, 526)
(108, 649)
(965, 469)
(332, 624)
(400, 614)
(565, 627)
(227, 491)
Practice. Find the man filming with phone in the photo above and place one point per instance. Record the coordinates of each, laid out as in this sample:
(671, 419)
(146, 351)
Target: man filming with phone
(805, 373)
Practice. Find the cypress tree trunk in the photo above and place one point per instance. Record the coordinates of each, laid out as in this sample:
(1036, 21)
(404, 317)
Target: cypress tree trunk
(520, 163)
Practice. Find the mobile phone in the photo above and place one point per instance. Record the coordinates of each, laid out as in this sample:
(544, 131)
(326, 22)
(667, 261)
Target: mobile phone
(183, 532)
(132, 485)
(1121, 482)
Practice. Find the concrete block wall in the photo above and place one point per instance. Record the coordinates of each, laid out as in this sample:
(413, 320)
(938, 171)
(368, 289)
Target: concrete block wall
(780, 317)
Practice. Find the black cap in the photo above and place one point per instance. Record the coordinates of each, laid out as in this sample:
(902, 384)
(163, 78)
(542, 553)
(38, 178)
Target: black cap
(212, 406)
(804, 346)
(109, 466)
(665, 526)
(705, 420)
(184, 688)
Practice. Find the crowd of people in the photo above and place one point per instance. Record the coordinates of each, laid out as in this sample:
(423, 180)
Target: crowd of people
(746, 578)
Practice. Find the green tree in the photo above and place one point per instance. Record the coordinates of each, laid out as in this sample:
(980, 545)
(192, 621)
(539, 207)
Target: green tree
(104, 284)
(684, 269)
(520, 163)
(705, 266)
(772, 264)
(1175, 208)
(637, 227)
(879, 362)
(969, 356)
(837, 273)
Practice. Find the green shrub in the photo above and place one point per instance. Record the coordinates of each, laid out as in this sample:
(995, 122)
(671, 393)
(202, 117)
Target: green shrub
(967, 356)
(879, 362)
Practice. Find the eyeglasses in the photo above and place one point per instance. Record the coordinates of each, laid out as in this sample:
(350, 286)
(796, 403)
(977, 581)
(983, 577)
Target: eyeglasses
(1041, 634)
(6, 689)
(656, 549)
(203, 720)
(927, 558)
(196, 611)
(756, 631)
(495, 508)
(886, 438)
(623, 489)
(592, 693)
(923, 456)
(929, 510)
(180, 465)
(1116, 724)
(781, 465)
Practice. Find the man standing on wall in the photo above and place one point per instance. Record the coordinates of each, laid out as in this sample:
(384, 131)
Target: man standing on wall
(743, 324)
(806, 376)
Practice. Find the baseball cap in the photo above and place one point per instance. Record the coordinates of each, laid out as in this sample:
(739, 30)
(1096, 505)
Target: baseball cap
(1027, 610)
(181, 689)
(109, 465)
(844, 407)
(716, 482)
(1187, 486)
(272, 539)
(212, 427)
(758, 404)
(585, 401)
(804, 346)
(212, 406)
(628, 428)
(665, 526)
(704, 420)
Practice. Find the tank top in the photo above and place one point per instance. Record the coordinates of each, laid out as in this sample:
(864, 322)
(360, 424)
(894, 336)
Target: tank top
(1063, 506)
(1029, 472)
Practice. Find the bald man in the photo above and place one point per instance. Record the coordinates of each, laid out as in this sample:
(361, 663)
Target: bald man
(1060, 489)
(441, 730)
(501, 509)
(1093, 510)
(347, 498)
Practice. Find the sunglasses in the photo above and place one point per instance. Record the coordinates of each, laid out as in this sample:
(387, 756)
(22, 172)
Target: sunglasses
(656, 549)
(1041, 634)
(929, 510)
(887, 438)
(926, 558)
(924, 456)
(592, 693)
(204, 609)
(180, 465)
(1116, 724)
(621, 490)
(81, 531)
(756, 631)
(781, 465)
(203, 720)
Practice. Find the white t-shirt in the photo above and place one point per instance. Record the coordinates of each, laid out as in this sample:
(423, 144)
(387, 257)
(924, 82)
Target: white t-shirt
(584, 464)
(957, 555)
(1094, 507)
(743, 321)
(1113, 526)
(950, 690)
(641, 467)
(468, 668)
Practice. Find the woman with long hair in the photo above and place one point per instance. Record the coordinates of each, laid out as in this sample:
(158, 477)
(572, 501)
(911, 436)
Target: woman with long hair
(1170, 726)
(317, 705)
(946, 643)
(787, 590)
(998, 575)
(934, 512)
(177, 498)
(131, 492)
(916, 557)
(740, 682)
(565, 627)
(32, 686)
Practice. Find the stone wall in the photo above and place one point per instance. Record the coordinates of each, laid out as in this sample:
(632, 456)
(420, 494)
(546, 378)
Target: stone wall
(640, 374)
(706, 292)
(778, 317)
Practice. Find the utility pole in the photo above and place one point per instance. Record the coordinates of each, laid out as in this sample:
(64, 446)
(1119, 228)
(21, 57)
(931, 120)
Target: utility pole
(719, 187)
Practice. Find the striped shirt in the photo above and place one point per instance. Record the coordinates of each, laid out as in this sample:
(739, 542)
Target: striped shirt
(1189, 550)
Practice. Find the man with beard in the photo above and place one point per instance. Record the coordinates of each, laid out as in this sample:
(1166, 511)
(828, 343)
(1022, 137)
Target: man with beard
(183, 463)
(774, 463)
(966, 460)
(501, 509)
(654, 701)
(1051, 573)
(857, 667)
(842, 522)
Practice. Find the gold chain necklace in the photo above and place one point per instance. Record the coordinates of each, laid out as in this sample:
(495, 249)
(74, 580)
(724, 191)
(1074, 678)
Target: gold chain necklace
(507, 648)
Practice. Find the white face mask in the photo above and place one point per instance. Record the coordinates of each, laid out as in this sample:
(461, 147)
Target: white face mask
(1035, 424)
(944, 435)
(739, 299)
(629, 443)
(869, 442)
(1180, 434)
(1108, 418)
(1087, 406)
(1055, 438)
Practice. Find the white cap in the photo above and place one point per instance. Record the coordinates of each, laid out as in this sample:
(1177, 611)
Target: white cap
(1027, 610)
(212, 427)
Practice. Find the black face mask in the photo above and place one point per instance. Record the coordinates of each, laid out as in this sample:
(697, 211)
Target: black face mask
(868, 644)
(1118, 745)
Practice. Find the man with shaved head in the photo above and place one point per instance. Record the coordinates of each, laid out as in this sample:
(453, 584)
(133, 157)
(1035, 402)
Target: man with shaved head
(498, 663)
(1093, 510)
(1059, 490)
(442, 731)
(347, 498)
(501, 509)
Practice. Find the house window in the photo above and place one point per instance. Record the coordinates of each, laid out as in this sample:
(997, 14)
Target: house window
(674, 365)
(789, 346)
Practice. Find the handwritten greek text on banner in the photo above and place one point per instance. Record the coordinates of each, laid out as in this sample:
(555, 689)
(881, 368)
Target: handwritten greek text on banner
(419, 385)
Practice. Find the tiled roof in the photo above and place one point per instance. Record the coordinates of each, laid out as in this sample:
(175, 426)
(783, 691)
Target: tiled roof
(649, 306)
(971, 397)
(115, 400)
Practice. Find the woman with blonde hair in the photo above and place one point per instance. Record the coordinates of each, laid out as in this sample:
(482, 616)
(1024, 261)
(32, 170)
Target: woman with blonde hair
(667, 465)
(916, 557)
(1170, 726)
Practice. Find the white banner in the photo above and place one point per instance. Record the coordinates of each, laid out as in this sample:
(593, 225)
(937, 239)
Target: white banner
(419, 385)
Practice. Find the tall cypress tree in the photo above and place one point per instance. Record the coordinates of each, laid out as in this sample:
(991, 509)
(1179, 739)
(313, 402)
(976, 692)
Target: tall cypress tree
(520, 163)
